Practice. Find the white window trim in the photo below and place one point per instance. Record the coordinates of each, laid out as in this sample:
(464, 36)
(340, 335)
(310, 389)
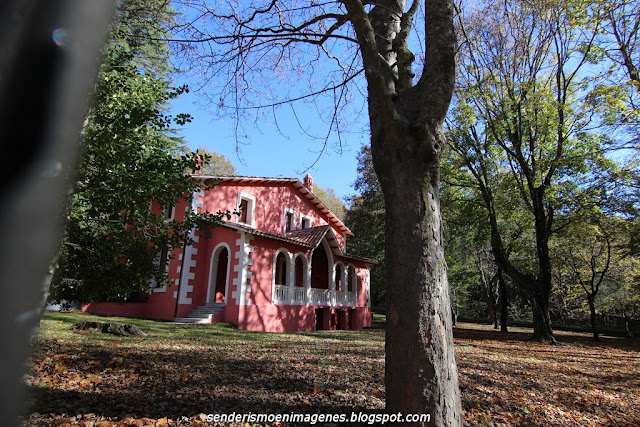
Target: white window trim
(251, 208)
(308, 218)
(293, 220)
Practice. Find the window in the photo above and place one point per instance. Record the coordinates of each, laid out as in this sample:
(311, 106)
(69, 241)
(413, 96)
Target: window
(246, 208)
(338, 278)
(305, 222)
(289, 220)
(169, 211)
(281, 269)
(351, 279)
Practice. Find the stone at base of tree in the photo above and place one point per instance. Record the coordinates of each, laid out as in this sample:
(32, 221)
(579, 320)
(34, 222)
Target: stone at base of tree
(115, 328)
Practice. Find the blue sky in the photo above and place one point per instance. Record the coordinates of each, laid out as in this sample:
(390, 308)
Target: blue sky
(276, 150)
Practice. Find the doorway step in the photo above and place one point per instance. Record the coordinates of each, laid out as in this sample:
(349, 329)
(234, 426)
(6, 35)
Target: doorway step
(202, 314)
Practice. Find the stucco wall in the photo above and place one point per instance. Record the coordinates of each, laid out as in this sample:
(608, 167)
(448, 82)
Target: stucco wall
(271, 201)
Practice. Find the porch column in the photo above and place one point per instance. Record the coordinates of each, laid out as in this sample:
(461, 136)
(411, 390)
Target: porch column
(292, 278)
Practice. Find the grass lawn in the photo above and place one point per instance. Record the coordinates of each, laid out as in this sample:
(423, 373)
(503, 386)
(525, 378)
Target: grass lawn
(179, 373)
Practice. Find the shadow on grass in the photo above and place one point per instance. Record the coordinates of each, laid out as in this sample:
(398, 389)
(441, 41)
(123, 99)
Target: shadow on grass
(184, 371)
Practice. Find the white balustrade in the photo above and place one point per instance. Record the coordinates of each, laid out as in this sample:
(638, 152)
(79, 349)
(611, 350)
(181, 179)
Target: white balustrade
(320, 296)
(281, 294)
(299, 295)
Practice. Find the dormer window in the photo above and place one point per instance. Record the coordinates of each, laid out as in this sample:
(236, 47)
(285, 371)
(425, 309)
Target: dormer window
(305, 221)
(246, 208)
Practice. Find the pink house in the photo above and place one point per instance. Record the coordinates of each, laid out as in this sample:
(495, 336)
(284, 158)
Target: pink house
(281, 265)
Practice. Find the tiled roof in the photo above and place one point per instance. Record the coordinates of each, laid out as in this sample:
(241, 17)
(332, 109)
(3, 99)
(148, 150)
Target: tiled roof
(306, 237)
(251, 230)
(310, 236)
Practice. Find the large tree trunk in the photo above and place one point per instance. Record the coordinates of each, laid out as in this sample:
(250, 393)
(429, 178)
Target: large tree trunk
(421, 373)
(542, 331)
(406, 143)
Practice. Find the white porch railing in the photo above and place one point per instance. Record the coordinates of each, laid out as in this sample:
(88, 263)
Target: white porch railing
(298, 296)
(320, 297)
(346, 299)
(281, 295)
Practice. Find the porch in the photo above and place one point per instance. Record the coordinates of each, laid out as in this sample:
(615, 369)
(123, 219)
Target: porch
(294, 295)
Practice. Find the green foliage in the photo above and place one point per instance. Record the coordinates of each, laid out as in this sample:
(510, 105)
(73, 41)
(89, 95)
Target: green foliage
(525, 148)
(329, 198)
(217, 165)
(592, 258)
(130, 157)
(366, 218)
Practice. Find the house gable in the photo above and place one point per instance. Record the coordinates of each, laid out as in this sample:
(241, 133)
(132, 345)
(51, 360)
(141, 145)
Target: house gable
(276, 205)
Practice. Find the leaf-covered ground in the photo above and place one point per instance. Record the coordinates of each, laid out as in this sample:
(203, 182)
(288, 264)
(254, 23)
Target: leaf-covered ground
(179, 373)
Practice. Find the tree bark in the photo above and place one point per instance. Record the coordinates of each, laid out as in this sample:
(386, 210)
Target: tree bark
(407, 139)
(421, 373)
(542, 331)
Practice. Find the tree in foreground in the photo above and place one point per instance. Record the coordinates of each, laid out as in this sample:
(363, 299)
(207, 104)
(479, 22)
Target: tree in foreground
(255, 47)
(132, 170)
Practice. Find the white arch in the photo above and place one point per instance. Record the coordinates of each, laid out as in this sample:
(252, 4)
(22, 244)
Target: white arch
(305, 264)
(329, 252)
(213, 271)
(287, 255)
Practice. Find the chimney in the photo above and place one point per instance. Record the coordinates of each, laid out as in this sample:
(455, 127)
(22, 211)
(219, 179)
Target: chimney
(308, 182)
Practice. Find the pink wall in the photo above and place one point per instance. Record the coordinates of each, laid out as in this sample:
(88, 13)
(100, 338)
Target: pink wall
(277, 318)
(260, 314)
(202, 270)
(271, 199)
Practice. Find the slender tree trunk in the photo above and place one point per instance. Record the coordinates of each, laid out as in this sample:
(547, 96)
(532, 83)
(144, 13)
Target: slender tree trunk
(421, 373)
(592, 309)
(538, 286)
(627, 325)
(493, 309)
(504, 302)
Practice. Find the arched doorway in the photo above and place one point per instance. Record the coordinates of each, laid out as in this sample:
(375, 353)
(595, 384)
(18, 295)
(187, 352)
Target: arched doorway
(320, 268)
(282, 271)
(219, 275)
(300, 271)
